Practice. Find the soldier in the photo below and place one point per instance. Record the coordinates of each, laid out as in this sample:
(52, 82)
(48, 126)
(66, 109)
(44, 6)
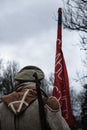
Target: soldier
(28, 107)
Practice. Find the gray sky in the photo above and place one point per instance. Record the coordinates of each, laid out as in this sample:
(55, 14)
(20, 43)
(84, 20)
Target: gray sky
(28, 31)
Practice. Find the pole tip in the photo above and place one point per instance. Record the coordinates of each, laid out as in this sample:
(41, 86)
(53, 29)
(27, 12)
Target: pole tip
(60, 10)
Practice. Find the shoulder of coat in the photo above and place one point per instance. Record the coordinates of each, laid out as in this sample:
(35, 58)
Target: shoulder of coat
(53, 103)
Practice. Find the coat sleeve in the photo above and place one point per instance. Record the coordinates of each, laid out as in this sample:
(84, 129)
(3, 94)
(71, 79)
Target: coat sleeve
(55, 119)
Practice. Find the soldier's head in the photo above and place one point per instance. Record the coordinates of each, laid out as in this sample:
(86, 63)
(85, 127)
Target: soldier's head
(26, 74)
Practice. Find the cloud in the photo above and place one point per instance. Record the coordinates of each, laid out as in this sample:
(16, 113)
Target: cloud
(28, 31)
(39, 51)
(23, 19)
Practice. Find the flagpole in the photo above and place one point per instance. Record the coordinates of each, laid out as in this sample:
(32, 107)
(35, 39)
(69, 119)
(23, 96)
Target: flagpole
(61, 80)
(59, 28)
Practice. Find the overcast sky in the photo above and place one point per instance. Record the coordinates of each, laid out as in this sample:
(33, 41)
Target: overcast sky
(28, 31)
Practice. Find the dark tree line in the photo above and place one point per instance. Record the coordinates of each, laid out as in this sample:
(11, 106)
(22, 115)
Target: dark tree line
(75, 19)
(84, 109)
(7, 74)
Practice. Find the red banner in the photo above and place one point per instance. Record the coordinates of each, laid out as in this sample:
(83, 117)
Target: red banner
(61, 81)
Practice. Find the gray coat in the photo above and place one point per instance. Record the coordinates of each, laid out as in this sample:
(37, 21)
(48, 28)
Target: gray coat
(29, 119)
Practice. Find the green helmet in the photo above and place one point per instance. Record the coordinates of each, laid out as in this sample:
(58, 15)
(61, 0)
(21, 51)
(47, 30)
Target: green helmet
(26, 74)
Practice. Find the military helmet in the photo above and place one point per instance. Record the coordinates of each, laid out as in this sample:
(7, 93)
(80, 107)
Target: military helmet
(26, 74)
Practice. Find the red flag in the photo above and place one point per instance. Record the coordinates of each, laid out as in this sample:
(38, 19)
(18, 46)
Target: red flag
(61, 81)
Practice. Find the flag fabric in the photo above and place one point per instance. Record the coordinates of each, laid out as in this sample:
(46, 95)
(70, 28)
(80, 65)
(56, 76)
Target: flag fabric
(61, 81)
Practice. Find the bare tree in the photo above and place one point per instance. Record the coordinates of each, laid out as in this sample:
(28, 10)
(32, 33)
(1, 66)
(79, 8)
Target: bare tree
(8, 76)
(84, 109)
(75, 15)
(47, 84)
(75, 18)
